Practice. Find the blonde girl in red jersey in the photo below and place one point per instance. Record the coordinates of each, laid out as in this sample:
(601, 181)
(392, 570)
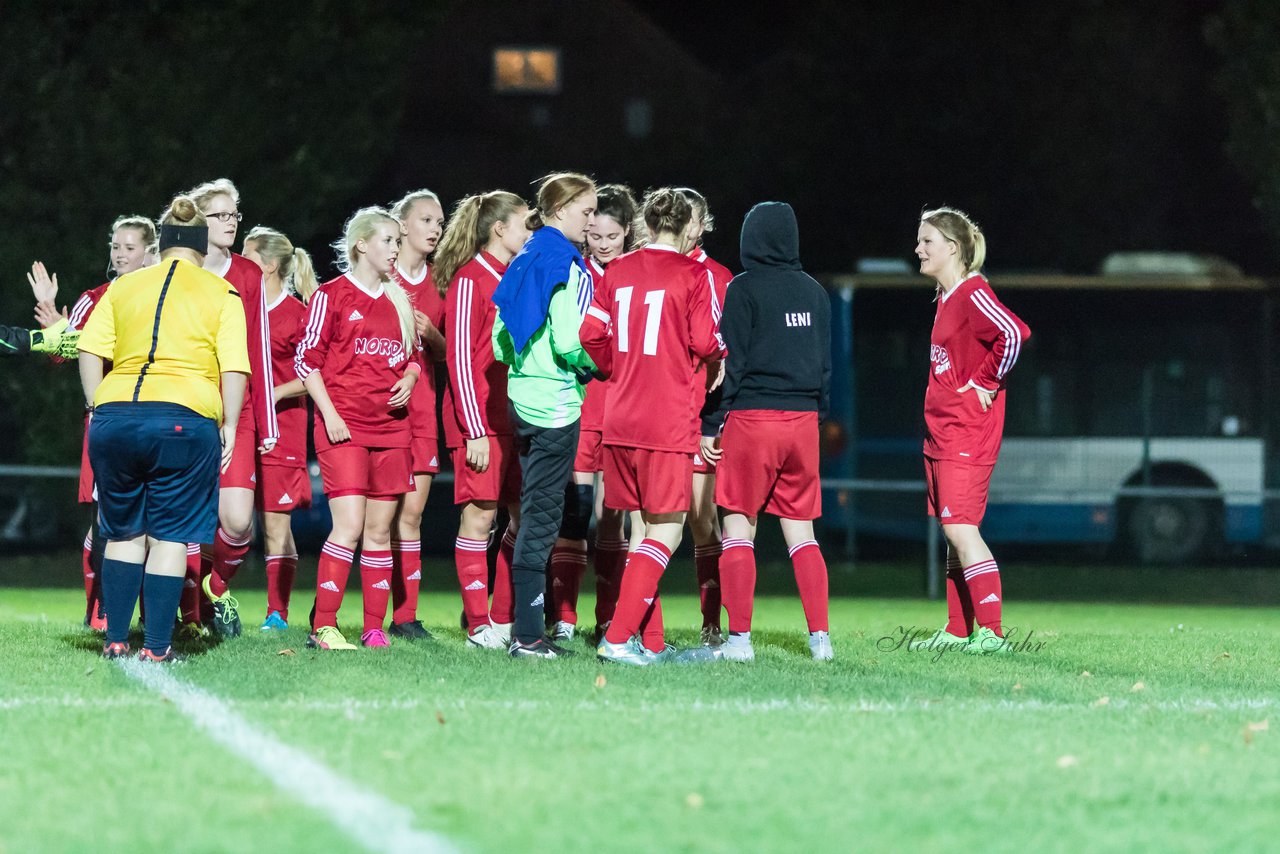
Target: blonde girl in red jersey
(356, 361)
(974, 343)
(283, 483)
(421, 223)
(219, 201)
(132, 246)
(613, 233)
(483, 235)
(704, 523)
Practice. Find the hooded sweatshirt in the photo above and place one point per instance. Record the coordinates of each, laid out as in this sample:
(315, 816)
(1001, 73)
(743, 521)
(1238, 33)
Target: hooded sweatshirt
(776, 324)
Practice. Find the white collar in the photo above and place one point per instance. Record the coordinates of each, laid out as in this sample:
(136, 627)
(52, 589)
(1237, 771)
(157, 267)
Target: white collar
(946, 295)
(426, 268)
(488, 266)
(284, 295)
(226, 267)
(664, 248)
(371, 294)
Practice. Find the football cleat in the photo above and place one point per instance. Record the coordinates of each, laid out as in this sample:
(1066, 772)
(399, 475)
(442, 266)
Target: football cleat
(485, 637)
(274, 621)
(410, 630)
(94, 617)
(168, 657)
(987, 642)
(503, 630)
(116, 650)
(737, 648)
(563, 631)
(711, 636)
(328, 637)
(374, 638)
(541, 648)
(193, 632)
(632, 653)
(939, 640)
(597, 634)
(820, 646)
(226, 611)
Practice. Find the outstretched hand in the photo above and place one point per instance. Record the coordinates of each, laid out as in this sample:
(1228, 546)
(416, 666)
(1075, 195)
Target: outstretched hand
(43, 286)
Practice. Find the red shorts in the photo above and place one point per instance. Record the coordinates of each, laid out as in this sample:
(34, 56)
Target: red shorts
(381, 473)
(701, 466)
(425, 454)
(956, 492)
(652, 481)
(770, 464)
(283, 488)
(87, 494)
(590, 456)
(500, 482)
(243, 471)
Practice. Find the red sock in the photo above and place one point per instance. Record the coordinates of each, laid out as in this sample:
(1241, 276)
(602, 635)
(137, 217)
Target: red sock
(228, 554)
(192, 595)
(375, 583)
(959, 603)
(610, 556)
(331, 582)
(281, 570)
(738, 581)
(471, 559)
(983, 580)
(652, 633)
(86, 566)
(206, 570)
(568, 563)
(707, 560)
(502, 609)
(811, 578)
(406, 556)
(639, 589)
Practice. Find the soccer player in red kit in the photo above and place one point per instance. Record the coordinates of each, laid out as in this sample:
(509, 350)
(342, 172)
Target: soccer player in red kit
(975, 342)
(704, 522)
(612, 235)
(356, 361)
(284, 485)
(658, 304)
(483, 235)
(421, 222)
(777, 327)
(132, 247)
(219, 201)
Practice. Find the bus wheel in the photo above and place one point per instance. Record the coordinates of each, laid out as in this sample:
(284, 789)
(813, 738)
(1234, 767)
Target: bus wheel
(1168, 530)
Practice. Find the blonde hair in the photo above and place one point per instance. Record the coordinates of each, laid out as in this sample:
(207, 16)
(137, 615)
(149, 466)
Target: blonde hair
(468, 231)
(667, 210)
(700, 207)
(401, 209)
(362, 225)
(183, 210)
(202, 194)
(557, 190)
(139, 223)
(956, 226)
(293, 264)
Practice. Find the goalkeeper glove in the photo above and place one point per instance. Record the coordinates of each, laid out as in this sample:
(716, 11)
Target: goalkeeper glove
(70, 347)
(48, 340)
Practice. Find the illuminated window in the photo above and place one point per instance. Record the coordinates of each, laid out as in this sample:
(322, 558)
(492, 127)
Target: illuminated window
(526, 70)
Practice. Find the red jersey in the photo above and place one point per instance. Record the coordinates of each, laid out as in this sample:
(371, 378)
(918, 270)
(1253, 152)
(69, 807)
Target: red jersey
(476, 400)
(79, 316)
(658, 304)
(720, 277)
(597, 390)
(422, 404)
(287, 314)
(258, 411)
(353, 338)
(975, 339)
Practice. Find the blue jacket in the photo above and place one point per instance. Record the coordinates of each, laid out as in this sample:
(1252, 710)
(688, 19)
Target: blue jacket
(523, 296)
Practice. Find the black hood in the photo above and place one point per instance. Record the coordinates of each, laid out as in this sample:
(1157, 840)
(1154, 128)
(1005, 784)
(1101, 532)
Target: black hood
(770, 237)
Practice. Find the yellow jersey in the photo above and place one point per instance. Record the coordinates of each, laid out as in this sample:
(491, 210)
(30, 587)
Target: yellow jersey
(170, 330)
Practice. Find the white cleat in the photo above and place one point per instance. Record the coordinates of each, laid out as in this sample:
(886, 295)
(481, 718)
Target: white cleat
(737, 648)
(504, 631)
(820, 646)
(485, 637)
(563, 631)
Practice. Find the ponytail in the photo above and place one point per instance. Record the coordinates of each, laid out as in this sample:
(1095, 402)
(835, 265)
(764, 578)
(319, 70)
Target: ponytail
(302, 275)
(468, 231)
(293, 264)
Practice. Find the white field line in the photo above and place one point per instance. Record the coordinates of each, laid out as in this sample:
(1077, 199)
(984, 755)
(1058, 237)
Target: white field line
(370, 820)
(353, 707)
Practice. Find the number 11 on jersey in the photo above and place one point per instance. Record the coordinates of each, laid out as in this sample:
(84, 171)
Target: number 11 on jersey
(653, 316)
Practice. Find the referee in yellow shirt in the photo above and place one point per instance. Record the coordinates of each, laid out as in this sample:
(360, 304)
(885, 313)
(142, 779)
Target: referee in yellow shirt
(176, 335)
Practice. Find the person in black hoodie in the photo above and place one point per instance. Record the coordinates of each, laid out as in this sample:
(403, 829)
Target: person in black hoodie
(777, 328)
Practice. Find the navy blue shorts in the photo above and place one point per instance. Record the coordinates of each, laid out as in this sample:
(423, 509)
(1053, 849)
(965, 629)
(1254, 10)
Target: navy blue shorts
(156, 466)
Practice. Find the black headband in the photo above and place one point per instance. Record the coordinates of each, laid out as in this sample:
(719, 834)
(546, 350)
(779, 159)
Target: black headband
(185, 237)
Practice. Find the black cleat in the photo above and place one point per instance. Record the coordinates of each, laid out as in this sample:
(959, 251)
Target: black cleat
(541, 648)
(412, 630)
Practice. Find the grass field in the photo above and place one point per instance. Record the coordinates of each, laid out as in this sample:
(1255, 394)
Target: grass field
(1134, 726)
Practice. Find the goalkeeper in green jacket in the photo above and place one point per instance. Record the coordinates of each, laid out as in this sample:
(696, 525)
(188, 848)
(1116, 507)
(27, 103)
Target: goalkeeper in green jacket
(16, 341)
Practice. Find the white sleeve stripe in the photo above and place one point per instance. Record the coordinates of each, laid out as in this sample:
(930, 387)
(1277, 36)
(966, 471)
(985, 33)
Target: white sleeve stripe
(598, 314)
(268, 376)
(315, 323)
(466, 370)
(715, 302)
(79, 311)
(1013, 338)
